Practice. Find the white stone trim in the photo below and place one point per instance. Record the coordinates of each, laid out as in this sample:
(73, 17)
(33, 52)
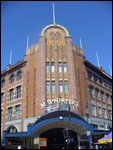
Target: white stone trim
(53, 25)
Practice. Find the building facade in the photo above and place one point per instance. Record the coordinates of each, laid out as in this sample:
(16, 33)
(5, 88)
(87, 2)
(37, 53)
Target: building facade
(54, 72)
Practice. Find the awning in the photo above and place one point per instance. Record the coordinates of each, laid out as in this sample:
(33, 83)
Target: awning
(106, 139)
(18, 134)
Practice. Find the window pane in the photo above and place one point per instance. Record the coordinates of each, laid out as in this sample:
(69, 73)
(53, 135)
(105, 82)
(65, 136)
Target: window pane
(2, 83)
(89, 74)
(10, 113)
(95, 78)
(110, 114)
(59, 67)
(99, 112)
(19, 75)
(91, 91)
(11, 94)
(96, 93)
(60, 87)
(65, 67)
(48, 87)
(104, 113)
(66, 87)
(52, 67)
(2, 96)
(102, 96)
(93, 110)
(18, 111)
(53, 87)
(47, 67)
(18, 91)
(107, 97)
(12, 79)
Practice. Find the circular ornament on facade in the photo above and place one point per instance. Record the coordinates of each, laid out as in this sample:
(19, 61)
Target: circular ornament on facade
(55, 36)
(52, 36)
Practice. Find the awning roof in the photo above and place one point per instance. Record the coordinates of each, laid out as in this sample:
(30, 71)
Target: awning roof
(107, 138)
(18, 134)
(52, 120)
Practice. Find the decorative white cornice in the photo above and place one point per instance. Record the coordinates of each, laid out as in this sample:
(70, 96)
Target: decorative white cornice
(54, 25)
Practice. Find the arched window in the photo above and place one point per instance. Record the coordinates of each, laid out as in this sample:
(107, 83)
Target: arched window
(12, 129)
(19, 75)
(2, 83)
(12, 78)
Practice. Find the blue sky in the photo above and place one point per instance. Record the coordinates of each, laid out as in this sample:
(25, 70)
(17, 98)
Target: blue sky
(90, 20)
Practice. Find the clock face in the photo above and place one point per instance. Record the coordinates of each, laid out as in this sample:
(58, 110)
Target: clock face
(55, 35)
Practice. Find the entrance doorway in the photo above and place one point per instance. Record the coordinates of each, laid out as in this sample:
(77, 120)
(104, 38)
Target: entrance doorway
(60, 138)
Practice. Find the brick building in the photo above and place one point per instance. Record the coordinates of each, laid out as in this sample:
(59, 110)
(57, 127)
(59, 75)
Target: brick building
(54, 71)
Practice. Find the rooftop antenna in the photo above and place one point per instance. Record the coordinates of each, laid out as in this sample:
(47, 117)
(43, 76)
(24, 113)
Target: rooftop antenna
(53, 14)
(97, 59)
(10, 57)
(27, 41)
(80, 43)
(110, 70)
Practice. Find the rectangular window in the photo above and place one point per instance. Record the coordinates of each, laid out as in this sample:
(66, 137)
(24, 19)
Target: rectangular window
(12, 78)
(11, 93)
(2, 96)
(89, 75)
(107, 97)
(18, 89)
(2, 83)
(53, 87)
(95, 78)
(110, 114)
(52, 67)
(60, 87)
(17, 111)
(65, 87)
(10, 113)
(65, 67)
(96, 93)
(47, 67)
(91, 91)
(48, 87)
(59, 67)
(99, 112)
(93, 110)
(102, 96)
(100, 81)
(104, 113)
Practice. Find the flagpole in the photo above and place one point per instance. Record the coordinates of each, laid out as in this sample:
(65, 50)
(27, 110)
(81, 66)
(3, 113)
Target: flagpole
(80, 43)
(53, 14)
(27, 41)
(110, 70)
(97, 59)
(10, 57)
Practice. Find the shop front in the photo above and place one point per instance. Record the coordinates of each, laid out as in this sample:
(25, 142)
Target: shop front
(57, 129)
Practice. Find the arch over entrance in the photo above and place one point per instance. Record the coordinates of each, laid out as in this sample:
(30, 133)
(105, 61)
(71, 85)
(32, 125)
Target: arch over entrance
(60, 119)
(61, 128)
(49, 124)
